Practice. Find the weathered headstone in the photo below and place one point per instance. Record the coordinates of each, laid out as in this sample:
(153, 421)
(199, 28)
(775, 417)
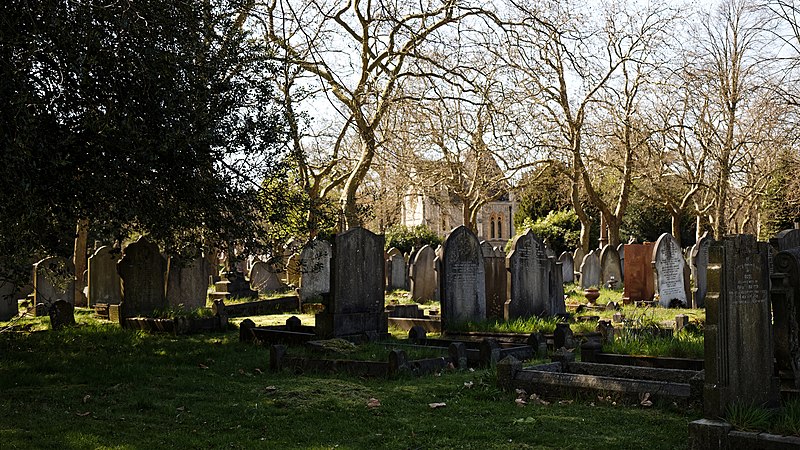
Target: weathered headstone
(738, 335)
(463, 279)
(577, 258)
(62, 314)
(396, 270)
(142, 270)
(785, 298)
(621, 251)
(494, 264)
(293, 271)
(786, 239)
(699, 266)
(590, 271)
(265, 277)
(556, 303)
(315, 266)
(8, 301)
(669, 265)
(567, 267)
(53, 279)
(104, 281)
(187, 282)
(610, 266)
(639, 279)
(355, 305)
(423, 275)
(529, 278)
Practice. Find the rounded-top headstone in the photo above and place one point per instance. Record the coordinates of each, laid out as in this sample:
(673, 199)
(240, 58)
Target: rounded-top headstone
(463, 280)
(669, 265)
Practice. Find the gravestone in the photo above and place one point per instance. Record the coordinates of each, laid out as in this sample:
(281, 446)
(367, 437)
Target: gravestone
(396, 270)
(293, 271)
(785, 297)
(265, 277)
(610, 266)
(738, 335)
(621, 251)
(786, 239)
(187, 282)
(529, 278)
(463, 279)
(669, 268)
(639, 279)
(556, 303)
(53, 279)
(8, 301)
(699, 266)
(142, 270)
(62, 314)
(494, 264)
(104, 281)
(423, 275)
(577, 260)
(590, 271)
(315, 268)
(567, 267)
(355, 305)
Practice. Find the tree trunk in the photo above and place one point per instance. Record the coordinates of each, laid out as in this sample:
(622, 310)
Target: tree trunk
(676, 226)
(347, 202)
(79, 260)
(613, 225)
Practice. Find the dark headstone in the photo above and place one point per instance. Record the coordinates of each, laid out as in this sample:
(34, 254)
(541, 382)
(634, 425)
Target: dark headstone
(681, 321)
(785, 297)
(489, 352)
(669, 265)
(639, 280)
(423, 275)
(246, 331)
(699, 266)
(621, 251)
(417, 334)
(463, 280)
(738, 335)
(458, 354)
(293, 323)
(62, 314)
(555, 304)
(8, 300)
(529, 278)
(104, 282)
(563, 336)
(396, 270)
(494, 263)
(142, 270)
(356, 302)
(398, 362)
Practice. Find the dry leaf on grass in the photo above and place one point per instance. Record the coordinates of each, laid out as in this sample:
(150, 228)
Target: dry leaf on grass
(270, 389)
(520, 402)
(83, 414)
(373, 403)
(437, 405)
(468, 384)
(202, 366)
(645, 400)
(86, 398)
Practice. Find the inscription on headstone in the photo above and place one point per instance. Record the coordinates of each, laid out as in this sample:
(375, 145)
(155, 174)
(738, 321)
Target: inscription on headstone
(315, 267)
(669, 265)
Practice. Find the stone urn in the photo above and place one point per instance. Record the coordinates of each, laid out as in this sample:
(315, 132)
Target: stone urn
(591, 295)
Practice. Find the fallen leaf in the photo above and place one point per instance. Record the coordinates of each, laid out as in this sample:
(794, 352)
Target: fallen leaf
(468, 384)
(86, 398)
(520, 402)
(83, 414)
(270, 389)
(565, 402)
(202, 366)
(645, 400)
(241, 371)
(373, 403)
(181, 408)
(437, 405)
(535, 398)
(258, 371)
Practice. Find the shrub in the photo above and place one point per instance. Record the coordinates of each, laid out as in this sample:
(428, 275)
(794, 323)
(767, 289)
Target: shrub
(561, 229)
(404, 238)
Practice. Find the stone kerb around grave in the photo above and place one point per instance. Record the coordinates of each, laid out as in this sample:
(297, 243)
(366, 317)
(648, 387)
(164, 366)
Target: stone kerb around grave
(738, 335)
(104, 281)
(422, 275)
(669, 265)
(53, 279)
(462, 279)
(142, 270)
(529, 278)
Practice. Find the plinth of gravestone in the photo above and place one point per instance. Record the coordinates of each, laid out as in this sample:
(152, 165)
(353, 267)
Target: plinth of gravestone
(53, 279)
(187, 282)
(639, 280)
(8, 301)
(529, 278)
(699, 268)
(315, 270)
(590, 271)
(494, 263)
(103, 278)
(738, 334)
(142, 270)
(567, 267)
(395, 269)
(62, 314)
(785, 297)
(610, 267)
(355, 305)
(462, 279)
(423, 275)
(669, 267)
(265, 277)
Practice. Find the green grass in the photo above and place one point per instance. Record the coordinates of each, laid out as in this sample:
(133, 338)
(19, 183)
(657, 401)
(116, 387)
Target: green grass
(681, 345)
(98, 386)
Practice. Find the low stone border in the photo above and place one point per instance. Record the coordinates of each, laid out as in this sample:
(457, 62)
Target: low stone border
(718, 434)
(405, 323)
(259, 308)
(643, 361)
